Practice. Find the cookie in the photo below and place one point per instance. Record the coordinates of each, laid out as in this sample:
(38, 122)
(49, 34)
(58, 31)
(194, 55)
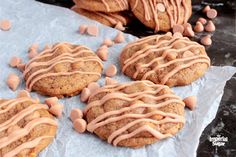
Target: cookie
(134, 114)
(109, 19)
(161, 15)
(164, 59)
(26, 127)
(103, 5)
(63, 70)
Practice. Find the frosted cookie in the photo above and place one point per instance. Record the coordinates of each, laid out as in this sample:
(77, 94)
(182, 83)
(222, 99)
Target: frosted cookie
(103, 5)
(134, 114)
(164, 59)
(26, 127)
(63, 70)
(161, 15)
(109, 19)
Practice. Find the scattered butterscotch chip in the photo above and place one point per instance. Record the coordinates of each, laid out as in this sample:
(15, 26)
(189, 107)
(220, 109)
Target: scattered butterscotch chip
(23, 93)
(76, 113)
(210, 27)
(211, 14)
(32, 53)
(21, 67)
(119, 26)
(83, 29)
(189, 32)
(119, 38)
(108, 42)
(202, 20)
(56, 110)
(199, 27)
(206, 8)
(51, 101)
(111, 70)
(102, 52)
(178, 28)
(190, 102)
(92, 30)
(13, 81)
(206, 40)
(85, 94)
(5, 25)
(93, 86)
(109, 81)
(80, 125)
(15, 61)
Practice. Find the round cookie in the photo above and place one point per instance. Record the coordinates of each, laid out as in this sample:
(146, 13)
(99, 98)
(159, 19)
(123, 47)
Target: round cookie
(163, 14)
(26, 127)
(165, 59)
(109, 19)
(134, 114)
(63, 70)
(103, 5)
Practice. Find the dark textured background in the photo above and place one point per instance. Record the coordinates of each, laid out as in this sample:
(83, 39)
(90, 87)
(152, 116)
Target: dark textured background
(222, 52)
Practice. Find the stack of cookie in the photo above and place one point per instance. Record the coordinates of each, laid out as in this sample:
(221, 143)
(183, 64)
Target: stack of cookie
(109, 12)
(159, 15)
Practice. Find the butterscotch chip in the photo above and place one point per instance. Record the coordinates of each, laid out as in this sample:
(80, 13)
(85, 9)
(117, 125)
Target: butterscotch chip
(161, 16)
(164, 59)
(134, 114)
(5, 25)
(63, 70)
(26, 127)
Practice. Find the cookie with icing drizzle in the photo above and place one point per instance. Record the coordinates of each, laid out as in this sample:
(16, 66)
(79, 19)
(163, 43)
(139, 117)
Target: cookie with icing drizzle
(63, 70)
(165, 59)
(134, 114)
(161, 15)
(26, 127)
(109, 19)
(103, 5)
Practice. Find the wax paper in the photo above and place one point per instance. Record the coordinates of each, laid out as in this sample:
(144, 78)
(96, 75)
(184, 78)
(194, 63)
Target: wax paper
(34, 22)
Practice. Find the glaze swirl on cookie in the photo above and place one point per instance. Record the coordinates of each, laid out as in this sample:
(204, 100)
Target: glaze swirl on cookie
(63, 60)
(164, 59)
(103, 5)
(26, 127)
(134, 114)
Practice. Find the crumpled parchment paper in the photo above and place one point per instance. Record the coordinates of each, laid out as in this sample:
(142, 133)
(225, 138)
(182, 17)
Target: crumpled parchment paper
(34, 22)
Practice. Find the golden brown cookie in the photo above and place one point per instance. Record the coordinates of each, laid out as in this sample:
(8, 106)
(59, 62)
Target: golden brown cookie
(63, 70)
(164, 59)
(109, 19)
(161, 15)
(103, 5)
(26, 127)
(134, 114)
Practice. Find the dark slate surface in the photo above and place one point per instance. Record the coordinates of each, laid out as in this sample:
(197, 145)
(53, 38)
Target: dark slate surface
(222, 52)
